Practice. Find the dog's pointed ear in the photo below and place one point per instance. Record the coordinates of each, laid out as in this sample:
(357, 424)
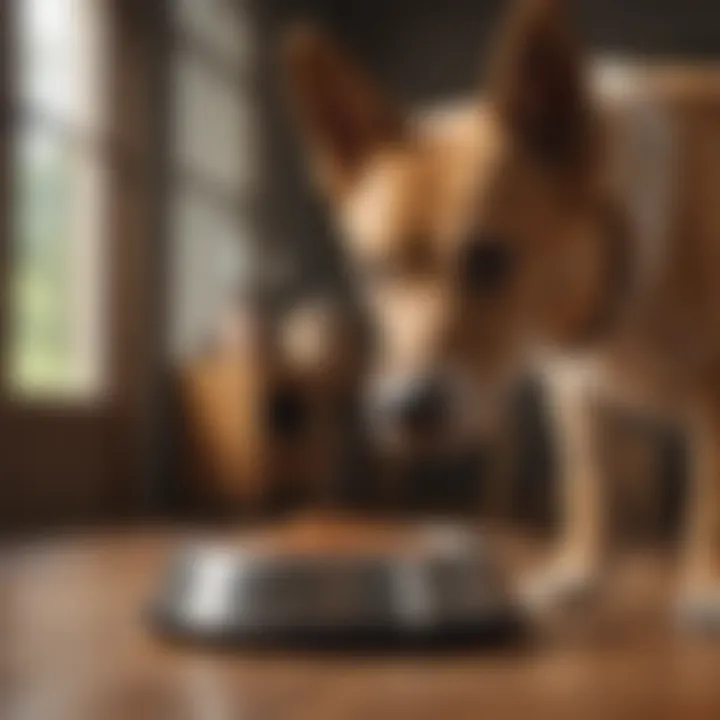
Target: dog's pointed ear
(538, 82)
(343, 116)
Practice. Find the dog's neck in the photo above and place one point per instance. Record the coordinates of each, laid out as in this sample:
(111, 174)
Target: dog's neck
(617, 287)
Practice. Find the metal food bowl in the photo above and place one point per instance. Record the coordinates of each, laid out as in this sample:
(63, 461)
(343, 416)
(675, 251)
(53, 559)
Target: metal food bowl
(303, 583)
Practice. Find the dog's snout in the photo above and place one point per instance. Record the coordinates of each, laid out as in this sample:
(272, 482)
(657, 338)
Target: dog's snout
(419, 406)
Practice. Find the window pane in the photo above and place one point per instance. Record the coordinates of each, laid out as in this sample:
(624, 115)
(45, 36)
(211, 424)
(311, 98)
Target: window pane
(60, 46)
(210, 258)
(220, 24)
(213, 137)
(56, 303)
(213, 150)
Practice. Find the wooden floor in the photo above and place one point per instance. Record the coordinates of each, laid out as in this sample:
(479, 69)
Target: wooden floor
(73, 647)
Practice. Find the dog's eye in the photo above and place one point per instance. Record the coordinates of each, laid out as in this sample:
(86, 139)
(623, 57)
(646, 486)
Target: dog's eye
(487, 264)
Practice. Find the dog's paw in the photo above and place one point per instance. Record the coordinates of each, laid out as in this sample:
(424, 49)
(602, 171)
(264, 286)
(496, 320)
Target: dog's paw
(562, 583)
(698, 611)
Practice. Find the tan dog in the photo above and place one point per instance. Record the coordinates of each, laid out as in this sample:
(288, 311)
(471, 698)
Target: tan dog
(568, 220)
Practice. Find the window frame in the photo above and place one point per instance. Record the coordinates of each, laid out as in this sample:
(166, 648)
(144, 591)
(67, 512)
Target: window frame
(133, 148)
(91, 144)
(67, 461)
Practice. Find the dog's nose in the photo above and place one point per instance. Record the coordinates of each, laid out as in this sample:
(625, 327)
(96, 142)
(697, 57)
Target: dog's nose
(419, 406)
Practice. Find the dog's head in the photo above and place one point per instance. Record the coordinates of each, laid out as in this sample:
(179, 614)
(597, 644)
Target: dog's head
(474, 232)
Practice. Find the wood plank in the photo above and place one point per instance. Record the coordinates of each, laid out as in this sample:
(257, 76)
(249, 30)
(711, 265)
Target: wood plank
(73, 645)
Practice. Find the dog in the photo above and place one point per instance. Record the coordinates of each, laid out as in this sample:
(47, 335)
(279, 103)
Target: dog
(567, 221)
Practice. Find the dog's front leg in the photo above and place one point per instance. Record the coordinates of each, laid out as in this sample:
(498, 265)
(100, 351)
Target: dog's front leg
(699, 574)
(574, 566)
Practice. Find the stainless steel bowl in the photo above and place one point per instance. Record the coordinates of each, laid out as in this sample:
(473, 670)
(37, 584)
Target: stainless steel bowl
(446, 583)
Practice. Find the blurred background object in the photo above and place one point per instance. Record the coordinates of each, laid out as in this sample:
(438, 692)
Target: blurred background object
(267, 410)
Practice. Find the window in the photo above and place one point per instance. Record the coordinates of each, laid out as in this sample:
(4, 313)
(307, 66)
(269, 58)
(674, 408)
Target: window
(56, 321)
(212, 163)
